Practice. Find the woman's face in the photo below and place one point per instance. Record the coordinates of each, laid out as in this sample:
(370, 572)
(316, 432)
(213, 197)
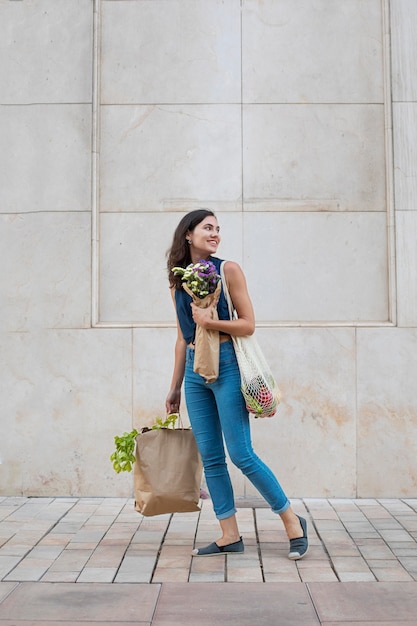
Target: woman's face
(205, 237)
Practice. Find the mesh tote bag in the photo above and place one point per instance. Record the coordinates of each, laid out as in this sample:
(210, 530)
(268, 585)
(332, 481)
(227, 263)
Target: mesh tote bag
(258, 385)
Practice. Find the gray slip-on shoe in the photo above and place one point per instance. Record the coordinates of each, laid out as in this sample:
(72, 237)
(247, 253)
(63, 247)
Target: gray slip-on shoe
(213, 549)
(299, 546)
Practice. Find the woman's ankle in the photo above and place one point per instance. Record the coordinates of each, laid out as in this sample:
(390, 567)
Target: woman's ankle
(226, 540)
(292, 524)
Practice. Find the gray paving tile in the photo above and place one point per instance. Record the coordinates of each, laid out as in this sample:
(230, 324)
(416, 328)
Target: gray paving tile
(169, 575)
(410, 563)
(97, 575)
(5, 589)
(391, 574)
(16, 500)
(350, 564)
(402, 545)
(376, 551)
(411, 502)
(7, 564)
(70, 623)
(394, 505)
(373, 602)
(106, 556)
(46, 552)
(235, 604)
(397, 536)
(318, 574)
(387, 524)
(60, 577)
(408, 623)
(137, 569)
(70, 560)
(343, 550)
(402, 552)
(354, 577)
(205, 577)
(29, 569)
(62, 602)
(85, 536)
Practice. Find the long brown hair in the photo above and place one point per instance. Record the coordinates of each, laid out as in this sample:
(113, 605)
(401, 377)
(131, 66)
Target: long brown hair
(179, 253)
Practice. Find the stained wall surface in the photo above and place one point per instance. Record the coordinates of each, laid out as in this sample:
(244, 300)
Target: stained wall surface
(295, 121)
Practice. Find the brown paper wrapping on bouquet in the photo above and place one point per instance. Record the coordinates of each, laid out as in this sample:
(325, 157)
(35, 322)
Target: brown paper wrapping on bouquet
(206, 355)
(167, 472)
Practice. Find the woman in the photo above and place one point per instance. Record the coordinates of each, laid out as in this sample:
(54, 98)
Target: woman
(217, 410)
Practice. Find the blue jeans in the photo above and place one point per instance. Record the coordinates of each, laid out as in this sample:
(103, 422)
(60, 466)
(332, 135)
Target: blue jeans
(218, 410)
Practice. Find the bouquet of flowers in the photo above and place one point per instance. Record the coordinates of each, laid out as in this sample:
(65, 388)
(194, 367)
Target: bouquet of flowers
(201, 278)
(202, 282)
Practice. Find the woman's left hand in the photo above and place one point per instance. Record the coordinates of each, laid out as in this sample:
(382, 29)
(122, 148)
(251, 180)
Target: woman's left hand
(202, 317)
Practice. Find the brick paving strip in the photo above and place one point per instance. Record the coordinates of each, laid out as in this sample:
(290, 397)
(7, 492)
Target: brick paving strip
(103, 540)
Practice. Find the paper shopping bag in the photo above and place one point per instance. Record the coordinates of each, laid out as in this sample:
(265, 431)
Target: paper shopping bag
(167, 472)
(206, 356)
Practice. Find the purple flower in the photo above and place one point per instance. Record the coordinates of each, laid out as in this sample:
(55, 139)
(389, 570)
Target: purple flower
(201, 278)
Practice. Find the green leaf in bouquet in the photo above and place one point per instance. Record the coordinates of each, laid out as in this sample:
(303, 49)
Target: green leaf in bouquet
(123, 457)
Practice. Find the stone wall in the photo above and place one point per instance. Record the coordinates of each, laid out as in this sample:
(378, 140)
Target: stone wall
(295, 121)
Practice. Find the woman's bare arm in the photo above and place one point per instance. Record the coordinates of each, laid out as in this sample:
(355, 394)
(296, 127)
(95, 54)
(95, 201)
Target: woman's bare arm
(245, 324)
(173, 400)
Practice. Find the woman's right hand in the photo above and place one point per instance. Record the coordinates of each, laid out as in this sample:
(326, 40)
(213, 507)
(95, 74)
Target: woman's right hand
(173, 401)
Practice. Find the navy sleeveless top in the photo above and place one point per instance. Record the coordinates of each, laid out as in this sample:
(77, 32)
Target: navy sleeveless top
(183, 301)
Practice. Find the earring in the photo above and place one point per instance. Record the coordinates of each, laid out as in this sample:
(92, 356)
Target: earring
(189, 241)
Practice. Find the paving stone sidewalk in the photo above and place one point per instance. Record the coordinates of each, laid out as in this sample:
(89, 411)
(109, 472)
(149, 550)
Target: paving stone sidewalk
(96, 562)
(103, 540)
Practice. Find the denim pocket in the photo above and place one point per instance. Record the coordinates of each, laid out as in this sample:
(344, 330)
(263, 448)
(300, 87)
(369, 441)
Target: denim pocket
(189, 357)
(227, 353)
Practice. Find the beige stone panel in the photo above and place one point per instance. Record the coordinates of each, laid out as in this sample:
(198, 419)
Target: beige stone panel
(46, 276)
(231, 236)
(387, 412)
(65, 394)
(310, 444)
(170, 51)
(406, 235)
(170, 157)
(405, 155)
(46, 51)
(314, 157)
(133, 278)
(303, 51)
(47, 164)
(404, 49)
(406, 265)
(153, 363)
(307, 267)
